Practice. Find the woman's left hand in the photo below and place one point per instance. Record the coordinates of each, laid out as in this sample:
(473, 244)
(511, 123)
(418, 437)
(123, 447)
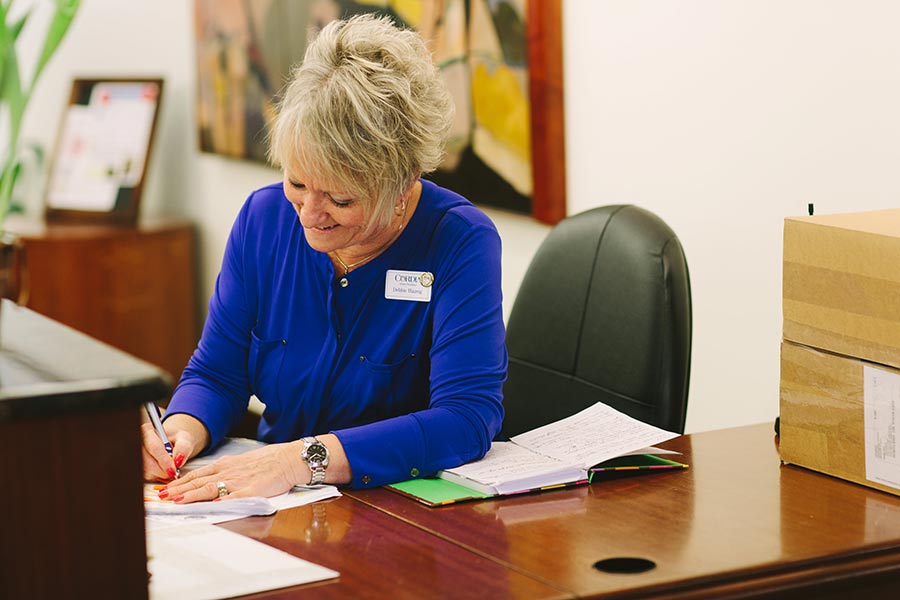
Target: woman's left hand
(267, 472)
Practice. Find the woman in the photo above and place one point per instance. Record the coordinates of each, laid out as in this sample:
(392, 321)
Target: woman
(358, 302)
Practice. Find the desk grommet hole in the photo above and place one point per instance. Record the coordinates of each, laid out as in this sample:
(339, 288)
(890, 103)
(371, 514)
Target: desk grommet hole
(624, 565)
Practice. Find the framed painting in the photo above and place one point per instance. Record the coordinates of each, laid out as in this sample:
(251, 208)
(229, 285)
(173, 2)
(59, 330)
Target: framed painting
(501, 59)
(100, 161)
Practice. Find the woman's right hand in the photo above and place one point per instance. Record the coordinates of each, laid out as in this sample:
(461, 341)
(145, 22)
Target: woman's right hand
(187, 435)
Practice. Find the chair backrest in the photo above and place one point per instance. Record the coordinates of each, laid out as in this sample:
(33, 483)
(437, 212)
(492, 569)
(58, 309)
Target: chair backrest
(603, 314)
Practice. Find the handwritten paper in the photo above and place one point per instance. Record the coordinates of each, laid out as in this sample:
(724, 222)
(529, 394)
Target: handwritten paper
(561, 453)
(596, 434)
(507, 460)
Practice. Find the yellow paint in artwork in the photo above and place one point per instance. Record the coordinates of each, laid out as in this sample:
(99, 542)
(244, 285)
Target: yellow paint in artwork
(408, 10)
(501, 107)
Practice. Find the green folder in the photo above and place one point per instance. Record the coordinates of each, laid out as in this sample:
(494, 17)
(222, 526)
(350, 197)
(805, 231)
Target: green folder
(434, 491)
(637, 462)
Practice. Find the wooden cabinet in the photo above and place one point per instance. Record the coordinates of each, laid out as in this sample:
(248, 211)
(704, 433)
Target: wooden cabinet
(132, 287)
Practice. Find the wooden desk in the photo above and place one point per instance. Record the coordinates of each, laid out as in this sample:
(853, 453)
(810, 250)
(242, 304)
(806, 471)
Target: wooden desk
(71, 511)
(736, 524)
(379, 556)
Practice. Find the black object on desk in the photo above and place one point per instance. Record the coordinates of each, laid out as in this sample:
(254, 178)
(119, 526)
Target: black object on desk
(70, 461)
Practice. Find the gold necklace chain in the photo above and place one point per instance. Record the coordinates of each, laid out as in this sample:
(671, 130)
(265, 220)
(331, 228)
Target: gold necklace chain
(377, 251)
(347, 267)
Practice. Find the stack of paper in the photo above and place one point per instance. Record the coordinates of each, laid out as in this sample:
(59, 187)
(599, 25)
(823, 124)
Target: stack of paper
(190, 559)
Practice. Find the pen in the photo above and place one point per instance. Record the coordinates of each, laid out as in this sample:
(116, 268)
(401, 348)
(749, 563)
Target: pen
(153, 413)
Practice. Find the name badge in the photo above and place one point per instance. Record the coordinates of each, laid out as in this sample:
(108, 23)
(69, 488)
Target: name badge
(414, 286)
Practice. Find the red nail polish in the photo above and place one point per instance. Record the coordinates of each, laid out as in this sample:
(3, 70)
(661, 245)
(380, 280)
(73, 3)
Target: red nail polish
(170, 472)
(178, 498)
(179, 460)
(216, 499)
(163, 493)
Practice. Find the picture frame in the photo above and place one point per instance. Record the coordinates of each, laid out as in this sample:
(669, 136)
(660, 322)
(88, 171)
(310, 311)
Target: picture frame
(548, 127)
(104, 144)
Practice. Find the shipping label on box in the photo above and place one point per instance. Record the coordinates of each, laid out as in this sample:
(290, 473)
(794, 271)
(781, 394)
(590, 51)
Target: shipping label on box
(839, 416)
(881, 393)
(841, 284)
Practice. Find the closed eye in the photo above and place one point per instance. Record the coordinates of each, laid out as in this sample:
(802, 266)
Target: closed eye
(340, 203)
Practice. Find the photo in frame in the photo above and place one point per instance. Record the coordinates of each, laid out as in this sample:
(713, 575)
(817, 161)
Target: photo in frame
(100, 162)
(502, 61)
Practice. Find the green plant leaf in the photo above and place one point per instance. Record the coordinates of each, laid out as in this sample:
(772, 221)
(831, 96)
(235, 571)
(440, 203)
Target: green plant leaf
(6, 43)
(6, 186)
(59, 25)
(12, 93)
(16, 28)
(10, 84)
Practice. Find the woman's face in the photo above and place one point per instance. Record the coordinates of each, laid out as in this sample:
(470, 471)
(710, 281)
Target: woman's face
(332, 219)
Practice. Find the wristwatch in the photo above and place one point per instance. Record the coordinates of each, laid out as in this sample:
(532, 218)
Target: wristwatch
(315, 455)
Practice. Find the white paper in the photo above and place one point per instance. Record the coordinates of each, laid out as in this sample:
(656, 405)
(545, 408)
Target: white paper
(78, 181)
(127, 111)
(596, 434)
(651, 450)
(505, 461)
(881, 397)
(203, 562)
(559, 453)
(162, 514)
(238, 507)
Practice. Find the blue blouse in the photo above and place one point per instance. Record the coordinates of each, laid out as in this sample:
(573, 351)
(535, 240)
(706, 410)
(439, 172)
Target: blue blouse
(409, 387)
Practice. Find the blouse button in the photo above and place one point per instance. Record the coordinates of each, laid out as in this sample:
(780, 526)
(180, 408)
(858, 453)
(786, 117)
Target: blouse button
(366, 479)
(344, 282)
(414, 472)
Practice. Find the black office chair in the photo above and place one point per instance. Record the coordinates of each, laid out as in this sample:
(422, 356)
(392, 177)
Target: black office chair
(603, 314)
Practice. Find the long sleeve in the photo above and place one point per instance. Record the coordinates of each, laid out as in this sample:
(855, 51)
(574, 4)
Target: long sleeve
(468, 367)
(214, 386)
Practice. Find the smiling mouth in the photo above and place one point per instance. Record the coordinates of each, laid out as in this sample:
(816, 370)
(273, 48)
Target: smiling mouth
(329, 228)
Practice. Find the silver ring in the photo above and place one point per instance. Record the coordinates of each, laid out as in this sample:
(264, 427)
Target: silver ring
(223, 491)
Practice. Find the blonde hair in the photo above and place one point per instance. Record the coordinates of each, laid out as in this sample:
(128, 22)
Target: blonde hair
(367, 110)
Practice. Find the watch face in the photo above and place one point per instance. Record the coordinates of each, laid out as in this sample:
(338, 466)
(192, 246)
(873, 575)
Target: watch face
(316, 453)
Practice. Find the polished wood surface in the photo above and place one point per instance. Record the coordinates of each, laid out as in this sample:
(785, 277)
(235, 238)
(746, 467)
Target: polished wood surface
(71, 509)
(736, 524)
(379, 556)
(131, 287)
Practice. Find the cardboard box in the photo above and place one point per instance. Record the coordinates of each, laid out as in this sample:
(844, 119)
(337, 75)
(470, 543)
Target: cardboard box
(841, 284)
(837, 416)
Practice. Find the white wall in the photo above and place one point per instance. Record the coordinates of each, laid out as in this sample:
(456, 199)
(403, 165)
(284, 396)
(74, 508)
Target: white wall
(721, 117)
